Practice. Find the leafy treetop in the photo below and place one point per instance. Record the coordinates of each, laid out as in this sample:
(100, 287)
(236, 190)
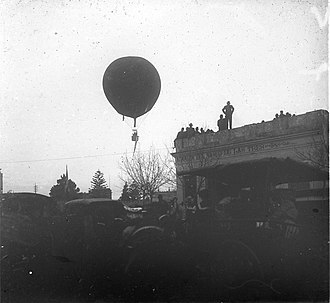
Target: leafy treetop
(64, 190)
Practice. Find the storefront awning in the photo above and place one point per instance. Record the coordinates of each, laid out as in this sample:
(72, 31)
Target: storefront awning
(274, 170)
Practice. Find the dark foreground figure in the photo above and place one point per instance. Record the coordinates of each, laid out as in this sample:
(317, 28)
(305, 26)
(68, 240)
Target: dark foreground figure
(86, 256)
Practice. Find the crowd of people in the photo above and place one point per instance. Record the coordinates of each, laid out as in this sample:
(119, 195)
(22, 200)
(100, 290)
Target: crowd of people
(224, 122)
(282, 115)
(281, 209)
(191, 131)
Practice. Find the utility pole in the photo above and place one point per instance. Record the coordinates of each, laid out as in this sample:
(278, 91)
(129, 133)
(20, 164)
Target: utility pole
(35, 188)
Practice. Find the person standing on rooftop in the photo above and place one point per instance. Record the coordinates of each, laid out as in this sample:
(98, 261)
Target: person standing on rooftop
(228, 110)
(222, 123)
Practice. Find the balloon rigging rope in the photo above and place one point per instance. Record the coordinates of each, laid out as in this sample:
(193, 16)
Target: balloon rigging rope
(144, 118)
(125, 120)
(138, 124)
(135, 128)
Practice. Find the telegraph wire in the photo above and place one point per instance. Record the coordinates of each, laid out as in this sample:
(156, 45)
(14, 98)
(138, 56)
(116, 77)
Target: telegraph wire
(72, 158)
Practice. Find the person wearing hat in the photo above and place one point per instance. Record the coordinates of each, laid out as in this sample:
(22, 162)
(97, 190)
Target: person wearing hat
(222, 123)
(224, 201)
(189, 209)
(163, 205)
(222, 207)
(283, 209)
(205, 208)
(190, 131)
(204, 203)
(282, 206)
(228, 110)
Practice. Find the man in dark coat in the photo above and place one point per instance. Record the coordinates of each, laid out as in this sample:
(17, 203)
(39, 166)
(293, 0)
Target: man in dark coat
(228, 110)
(222, 123)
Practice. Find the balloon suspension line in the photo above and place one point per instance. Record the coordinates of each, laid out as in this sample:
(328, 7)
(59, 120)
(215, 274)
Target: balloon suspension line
(135, 144)
(135, 136)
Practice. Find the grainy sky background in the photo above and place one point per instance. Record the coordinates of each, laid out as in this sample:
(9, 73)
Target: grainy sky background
(263, 56)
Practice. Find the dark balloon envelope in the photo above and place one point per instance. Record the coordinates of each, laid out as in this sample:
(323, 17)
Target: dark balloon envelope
(131, 85)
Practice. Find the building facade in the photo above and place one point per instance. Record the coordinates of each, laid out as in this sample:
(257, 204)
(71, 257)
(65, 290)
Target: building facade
(167, 195)
(298, 138)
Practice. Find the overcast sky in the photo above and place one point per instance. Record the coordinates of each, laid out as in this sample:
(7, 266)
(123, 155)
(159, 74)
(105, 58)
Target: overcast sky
(263, 56)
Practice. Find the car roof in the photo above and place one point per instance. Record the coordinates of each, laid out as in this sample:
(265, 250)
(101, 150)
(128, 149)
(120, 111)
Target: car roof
(27, 197)
(90, 201)
(25, 194)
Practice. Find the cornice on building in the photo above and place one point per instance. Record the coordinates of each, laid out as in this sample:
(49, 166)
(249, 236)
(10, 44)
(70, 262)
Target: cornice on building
(314, 121)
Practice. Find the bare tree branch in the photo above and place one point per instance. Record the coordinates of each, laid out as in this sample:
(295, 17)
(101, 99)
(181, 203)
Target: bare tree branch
(146, 170)
(317, 154)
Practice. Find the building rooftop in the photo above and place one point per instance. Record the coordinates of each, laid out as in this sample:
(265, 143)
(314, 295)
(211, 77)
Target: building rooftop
(310, 121)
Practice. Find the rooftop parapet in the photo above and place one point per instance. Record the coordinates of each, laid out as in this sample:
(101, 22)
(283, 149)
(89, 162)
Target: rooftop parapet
(310, 121)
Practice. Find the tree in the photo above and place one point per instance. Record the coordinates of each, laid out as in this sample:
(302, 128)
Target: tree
(64, 190)
(190, 163)
(317, 153)
(124, 194)
(99, 188)
(147, 171)
(130, 193)
(191, 184)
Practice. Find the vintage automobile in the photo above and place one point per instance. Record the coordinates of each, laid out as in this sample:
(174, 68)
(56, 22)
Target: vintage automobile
(25, 241)
(85, 249)
(88, 226)
(24, 217)
(45, 252)
(261, 242)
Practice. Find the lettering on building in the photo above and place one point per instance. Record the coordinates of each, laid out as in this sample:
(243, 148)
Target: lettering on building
(229, 152)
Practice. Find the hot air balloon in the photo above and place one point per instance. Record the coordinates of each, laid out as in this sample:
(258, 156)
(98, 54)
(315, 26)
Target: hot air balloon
(132, 86)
